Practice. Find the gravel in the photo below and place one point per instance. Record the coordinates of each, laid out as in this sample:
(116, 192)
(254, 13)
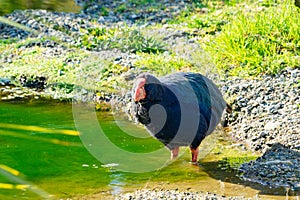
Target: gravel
(156, 12)
(266, 110)
(266, 119)
(173, 195)
(10, 93)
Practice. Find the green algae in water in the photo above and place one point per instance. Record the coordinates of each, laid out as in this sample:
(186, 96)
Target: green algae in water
(233, 163)
(45, 159)
(59, 165)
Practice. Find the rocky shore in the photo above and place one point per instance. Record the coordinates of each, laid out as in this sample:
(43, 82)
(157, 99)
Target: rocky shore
(266, 110)
(174, 194)
(266, 119)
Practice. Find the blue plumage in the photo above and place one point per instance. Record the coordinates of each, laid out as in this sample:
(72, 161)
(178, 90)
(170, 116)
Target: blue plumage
(179, 109)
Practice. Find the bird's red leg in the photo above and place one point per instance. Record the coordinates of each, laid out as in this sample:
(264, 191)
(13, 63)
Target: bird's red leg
(174, 153)
(194, 155)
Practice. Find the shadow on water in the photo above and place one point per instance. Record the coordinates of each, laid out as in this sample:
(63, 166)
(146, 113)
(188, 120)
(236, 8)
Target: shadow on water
(232, 176)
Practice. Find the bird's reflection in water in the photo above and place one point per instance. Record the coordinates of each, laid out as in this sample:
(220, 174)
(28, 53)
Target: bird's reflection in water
(117, 183)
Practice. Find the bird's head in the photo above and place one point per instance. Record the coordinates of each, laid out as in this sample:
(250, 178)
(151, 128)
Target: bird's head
(146, 87)
(139, 92)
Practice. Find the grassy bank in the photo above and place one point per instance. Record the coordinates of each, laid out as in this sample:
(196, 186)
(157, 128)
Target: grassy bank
(242, 38)
(260, 39)
(247, 38)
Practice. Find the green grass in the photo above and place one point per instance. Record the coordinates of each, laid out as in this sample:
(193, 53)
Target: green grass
(138, 6)
(259, 40)
(240, 38)
(162, 64)
(33, 62)
(121, 8)
(85, 69)
(140, 2)
(203, 24)
(4, 42)
(246, 38)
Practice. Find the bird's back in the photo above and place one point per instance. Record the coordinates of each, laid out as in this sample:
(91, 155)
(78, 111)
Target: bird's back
(194, 90)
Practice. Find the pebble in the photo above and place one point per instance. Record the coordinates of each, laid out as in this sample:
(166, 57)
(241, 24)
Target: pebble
(157, 194)
(4, 81)
(10, 92)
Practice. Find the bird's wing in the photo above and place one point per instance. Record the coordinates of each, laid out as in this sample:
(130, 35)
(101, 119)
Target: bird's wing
(196, 92)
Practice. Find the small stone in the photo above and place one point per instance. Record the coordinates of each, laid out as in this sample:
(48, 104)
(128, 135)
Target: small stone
(272, 125)
(4, 81)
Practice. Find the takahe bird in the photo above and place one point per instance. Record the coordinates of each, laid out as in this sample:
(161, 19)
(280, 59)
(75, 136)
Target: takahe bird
(179, 109)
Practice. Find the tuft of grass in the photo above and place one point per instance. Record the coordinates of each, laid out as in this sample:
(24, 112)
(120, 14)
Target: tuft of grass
(4, 42)
(260, 40)
(95, 38)
(111, 80)
(123, 38)
(104, 11)
(134, 41)
(162, 64)
(121, 8)
(140, 2)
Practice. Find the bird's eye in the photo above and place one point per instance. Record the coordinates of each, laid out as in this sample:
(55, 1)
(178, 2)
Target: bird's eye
(143, 101)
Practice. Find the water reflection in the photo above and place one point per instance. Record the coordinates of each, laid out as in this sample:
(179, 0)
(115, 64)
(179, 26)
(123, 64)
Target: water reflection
(8, 6)
(40, 139)
(14, 176)
(38, 129)
(117, 183)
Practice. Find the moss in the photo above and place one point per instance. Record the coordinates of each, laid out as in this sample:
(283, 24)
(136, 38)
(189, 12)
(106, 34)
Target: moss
(233, 163)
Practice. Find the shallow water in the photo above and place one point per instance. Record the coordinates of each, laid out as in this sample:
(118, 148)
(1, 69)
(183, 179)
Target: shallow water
(8, 6)
(42, 155)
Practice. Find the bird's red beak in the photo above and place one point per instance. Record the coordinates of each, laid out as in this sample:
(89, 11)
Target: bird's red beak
(139, 92)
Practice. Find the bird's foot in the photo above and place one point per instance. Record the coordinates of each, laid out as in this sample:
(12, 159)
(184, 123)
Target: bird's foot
(174, 153)
(194, 163)
(195, 153)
